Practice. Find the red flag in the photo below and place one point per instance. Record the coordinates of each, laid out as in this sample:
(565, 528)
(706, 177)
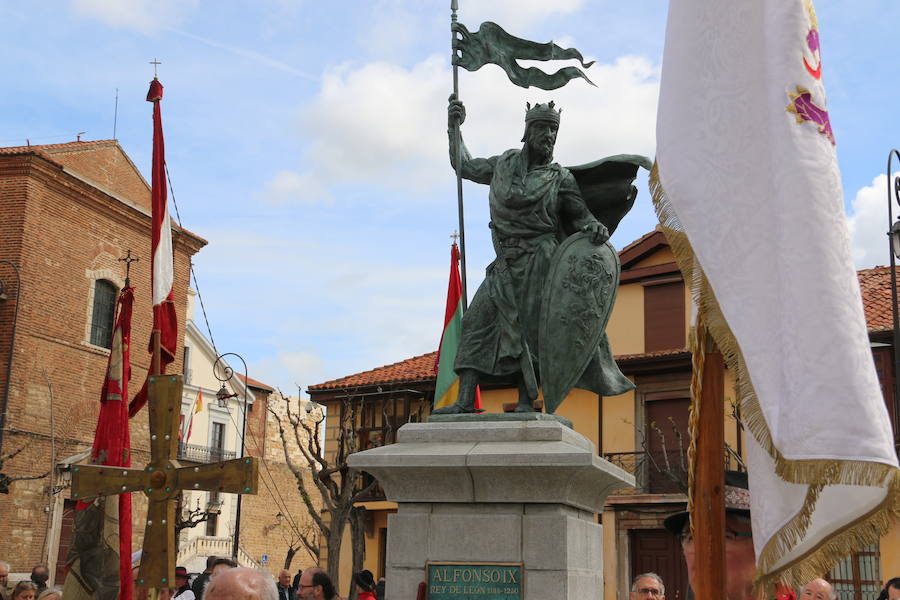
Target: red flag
(112, 441)
(162, 262)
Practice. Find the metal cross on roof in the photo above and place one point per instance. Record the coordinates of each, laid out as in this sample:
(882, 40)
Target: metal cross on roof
(162, 480)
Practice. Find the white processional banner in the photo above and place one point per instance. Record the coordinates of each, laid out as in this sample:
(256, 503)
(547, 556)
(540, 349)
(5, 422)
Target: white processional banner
(747, 185)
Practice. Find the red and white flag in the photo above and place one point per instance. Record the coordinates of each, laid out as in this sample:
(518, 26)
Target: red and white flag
(162, 262)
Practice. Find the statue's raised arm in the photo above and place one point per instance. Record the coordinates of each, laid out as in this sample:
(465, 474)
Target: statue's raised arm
(479, 170)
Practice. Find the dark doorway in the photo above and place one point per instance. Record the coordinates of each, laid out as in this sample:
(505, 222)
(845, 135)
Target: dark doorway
(66, 534)
(657, 551)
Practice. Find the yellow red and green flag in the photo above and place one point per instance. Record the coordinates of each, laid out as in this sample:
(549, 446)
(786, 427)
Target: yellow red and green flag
(446, 387)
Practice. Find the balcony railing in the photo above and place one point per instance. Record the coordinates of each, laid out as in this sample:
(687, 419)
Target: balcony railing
(203, 454)
(658, 472)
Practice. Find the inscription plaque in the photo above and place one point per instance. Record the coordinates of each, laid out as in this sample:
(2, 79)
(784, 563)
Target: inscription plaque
(474, 581)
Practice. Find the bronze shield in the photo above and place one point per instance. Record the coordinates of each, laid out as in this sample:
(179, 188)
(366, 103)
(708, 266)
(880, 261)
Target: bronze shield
(578, 296)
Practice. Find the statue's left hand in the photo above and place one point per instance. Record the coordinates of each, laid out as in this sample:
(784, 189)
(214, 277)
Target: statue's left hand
(597, 231)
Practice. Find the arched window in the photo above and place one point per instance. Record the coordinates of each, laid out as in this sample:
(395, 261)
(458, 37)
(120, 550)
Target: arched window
(103, 312)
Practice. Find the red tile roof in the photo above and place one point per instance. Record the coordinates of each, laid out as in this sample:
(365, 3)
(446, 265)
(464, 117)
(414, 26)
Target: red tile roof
(875, 285)
(254, 383)
(415, 369)
(876, 291)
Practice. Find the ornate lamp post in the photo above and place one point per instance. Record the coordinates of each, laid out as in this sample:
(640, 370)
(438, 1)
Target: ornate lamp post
(894, 237)
(4, 296)
(222, 397)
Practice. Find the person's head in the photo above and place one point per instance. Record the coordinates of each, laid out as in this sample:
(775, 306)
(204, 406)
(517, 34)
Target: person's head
(166, 593)
(891, 590)
(541, 127)
(740, 559)
(210, 561)
(284, 578)
(50, 595)
(647, 586)
(24, 590)
(221, 564)
(315, 585)
(241, 583)
(181, 577)
(4, 573)
(817, 589)
(40, 574)
(364, 580)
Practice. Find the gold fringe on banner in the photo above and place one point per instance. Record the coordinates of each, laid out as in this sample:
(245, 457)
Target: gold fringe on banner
(815, 473)
(698, 361)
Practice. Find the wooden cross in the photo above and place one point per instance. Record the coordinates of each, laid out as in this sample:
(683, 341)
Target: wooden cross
(162, 480)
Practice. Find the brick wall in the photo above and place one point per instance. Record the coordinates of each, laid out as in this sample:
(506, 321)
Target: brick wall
(63, 234)
(261, 532)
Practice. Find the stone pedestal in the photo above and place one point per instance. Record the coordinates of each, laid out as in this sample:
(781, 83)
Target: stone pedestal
(497, 492)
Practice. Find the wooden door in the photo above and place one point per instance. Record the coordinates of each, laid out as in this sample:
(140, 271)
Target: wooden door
(658, 551)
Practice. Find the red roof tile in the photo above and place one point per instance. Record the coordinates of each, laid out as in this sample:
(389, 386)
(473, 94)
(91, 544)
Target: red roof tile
(54, 148)
(418, 368)
(874, 283)
(254, 383)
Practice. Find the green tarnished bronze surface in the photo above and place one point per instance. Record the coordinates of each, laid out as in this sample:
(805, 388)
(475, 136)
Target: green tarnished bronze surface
(474, 581)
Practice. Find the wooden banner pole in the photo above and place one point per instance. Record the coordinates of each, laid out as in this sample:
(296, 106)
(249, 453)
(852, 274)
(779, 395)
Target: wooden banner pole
(709, 482)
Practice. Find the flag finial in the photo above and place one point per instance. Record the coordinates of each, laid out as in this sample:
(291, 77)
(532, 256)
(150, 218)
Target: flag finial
(128, 259)
(155, 64)
(454, 236)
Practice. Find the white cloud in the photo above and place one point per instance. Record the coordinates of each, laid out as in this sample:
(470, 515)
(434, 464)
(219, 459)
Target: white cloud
(869, 226)
(289, 368)
(290, 186)
(385, 125)
(145, 16)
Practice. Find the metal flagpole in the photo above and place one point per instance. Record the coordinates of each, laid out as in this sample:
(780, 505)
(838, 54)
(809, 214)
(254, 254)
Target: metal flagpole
(454, 6)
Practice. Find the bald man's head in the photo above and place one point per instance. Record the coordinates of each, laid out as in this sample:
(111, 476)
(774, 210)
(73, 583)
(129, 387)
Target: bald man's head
(241, 584)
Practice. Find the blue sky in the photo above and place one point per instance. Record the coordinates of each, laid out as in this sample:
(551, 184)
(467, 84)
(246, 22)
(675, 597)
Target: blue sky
(306, 141)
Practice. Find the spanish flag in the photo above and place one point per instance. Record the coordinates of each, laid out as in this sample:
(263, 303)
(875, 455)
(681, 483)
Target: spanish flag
(446, 387)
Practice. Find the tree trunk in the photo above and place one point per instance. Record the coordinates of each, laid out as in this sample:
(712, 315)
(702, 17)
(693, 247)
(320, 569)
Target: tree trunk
(358, 536)
(335, 537)
(290, 556)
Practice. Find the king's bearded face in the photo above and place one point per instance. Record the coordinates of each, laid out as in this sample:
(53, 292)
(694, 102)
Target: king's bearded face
(540, 139)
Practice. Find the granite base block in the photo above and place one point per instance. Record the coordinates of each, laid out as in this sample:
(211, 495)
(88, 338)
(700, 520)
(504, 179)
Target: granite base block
(524, 492)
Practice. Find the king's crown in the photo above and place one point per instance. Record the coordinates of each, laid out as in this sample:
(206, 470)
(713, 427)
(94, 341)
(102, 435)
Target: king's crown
(542, 112)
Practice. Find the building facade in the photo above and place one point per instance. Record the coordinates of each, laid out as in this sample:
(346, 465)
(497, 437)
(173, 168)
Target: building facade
(69, 213)
(643, 431)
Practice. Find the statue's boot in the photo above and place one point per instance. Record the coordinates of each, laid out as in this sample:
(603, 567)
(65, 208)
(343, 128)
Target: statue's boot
(525, 404)
(465, 402)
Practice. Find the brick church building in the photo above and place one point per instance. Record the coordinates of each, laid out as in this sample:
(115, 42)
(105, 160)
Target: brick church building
(69, 213)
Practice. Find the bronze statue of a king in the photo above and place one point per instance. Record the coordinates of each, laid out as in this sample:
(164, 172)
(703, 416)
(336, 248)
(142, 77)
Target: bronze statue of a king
(539, 316)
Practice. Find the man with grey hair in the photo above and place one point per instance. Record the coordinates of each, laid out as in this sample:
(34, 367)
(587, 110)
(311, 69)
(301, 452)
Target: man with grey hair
(818, 589)
(647, 586)
(4, 580)
(241, 583)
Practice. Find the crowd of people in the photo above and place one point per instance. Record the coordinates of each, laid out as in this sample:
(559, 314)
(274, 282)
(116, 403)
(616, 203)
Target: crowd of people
(222, 579)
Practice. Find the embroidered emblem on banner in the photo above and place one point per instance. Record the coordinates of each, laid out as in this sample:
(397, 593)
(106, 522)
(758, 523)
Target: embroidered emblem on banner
(812, 42)
(802, 105)
(804, 109)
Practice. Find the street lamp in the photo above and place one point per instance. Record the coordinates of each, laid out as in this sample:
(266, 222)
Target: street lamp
(222, 397)
(894, 237)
